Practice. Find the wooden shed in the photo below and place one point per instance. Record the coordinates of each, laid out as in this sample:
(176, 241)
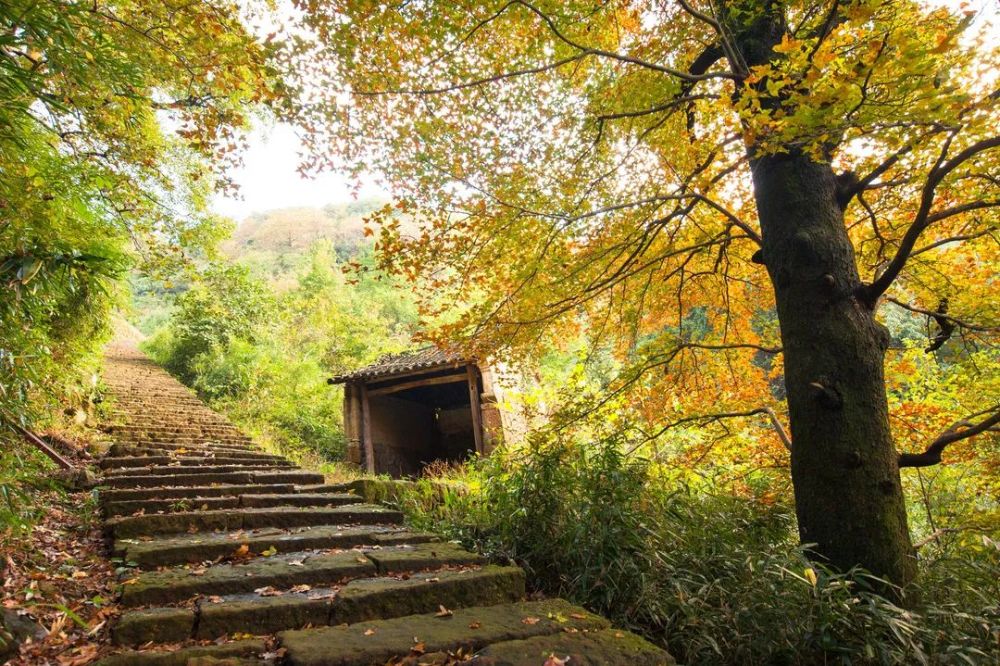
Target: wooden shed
(408, 410)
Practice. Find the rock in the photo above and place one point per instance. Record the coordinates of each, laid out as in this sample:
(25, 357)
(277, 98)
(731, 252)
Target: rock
(16, 629)
(76, 480)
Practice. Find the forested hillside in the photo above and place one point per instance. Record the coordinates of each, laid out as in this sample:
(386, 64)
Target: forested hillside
(292, 300)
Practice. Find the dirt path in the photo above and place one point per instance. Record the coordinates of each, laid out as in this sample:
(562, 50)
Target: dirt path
(239, 557)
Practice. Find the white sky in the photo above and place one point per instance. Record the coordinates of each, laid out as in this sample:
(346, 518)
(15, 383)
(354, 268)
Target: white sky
(269, 178)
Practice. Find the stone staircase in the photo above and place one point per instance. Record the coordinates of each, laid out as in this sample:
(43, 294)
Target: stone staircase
(235, 556)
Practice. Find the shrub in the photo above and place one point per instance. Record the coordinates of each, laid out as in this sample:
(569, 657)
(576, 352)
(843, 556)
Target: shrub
(718, 579)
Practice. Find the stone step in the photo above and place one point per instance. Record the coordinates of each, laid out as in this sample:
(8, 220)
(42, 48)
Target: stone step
(185, 468)
(119, 450)
(179, 453)
(173, 505)
(160, 492)
(130, 462)
(604, 647)
(468, 629)
(180, 429)
(357, 601)
(206, 547)
(172, 586)
(190, 480)
(324, 488)
(181, 440)
(127, 527)
(237, 653)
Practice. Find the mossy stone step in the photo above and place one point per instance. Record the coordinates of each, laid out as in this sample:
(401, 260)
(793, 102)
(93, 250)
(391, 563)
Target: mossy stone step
(190, 480)
(115, 463)
(607, 647)
(114, 509)
(167, 492)
(177, 480)
(280, 571)
(169, 505)
(181, 468)
(376, 643)
(300, 499)
(358, 600)
(283, 571)
(324, 488)
(247, 519)
(119, 450)
(192, 548)
(251, 647)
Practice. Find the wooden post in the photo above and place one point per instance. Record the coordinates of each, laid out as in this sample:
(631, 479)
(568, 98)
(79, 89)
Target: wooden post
(366, 430)
(477, 414)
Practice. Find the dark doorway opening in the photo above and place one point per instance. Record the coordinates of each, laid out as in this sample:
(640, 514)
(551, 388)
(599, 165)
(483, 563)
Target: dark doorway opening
(413, 427)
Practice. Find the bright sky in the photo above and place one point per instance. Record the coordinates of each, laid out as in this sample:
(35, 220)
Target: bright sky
(270, 178)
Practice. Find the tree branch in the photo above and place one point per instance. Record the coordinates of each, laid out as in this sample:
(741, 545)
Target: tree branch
(684, 76)
(963, 429)
(870, 294)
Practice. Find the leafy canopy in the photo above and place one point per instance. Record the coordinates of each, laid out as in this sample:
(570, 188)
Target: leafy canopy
(117, 119)
(583, 168)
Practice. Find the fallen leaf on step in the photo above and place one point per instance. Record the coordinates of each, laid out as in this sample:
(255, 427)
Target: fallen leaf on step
(443, 612)
(418, 648)
(269, 552)
(215, 599)
(530, 620)
(474, 625)
(362, 559)
(555, 661)
(242, 552)
(299, 589)
(369, 632)
(578, 616)
(268, 591)
(296, 563)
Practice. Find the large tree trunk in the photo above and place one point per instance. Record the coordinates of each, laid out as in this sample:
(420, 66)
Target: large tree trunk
(844, 468)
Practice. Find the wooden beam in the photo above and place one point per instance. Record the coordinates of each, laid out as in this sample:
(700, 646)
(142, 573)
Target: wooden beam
(428, 381)
(366, 431)
(40, 445)
(477, 414)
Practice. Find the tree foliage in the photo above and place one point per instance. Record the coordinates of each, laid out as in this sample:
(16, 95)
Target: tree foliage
(730, 195)
(261, 349)
(117, 120)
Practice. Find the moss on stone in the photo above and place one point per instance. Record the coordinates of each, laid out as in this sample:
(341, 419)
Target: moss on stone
(162, 625)
(609, 647)
(377, 642)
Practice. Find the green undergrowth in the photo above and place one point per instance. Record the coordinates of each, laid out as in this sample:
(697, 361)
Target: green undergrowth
(716, 578)
(24, 472)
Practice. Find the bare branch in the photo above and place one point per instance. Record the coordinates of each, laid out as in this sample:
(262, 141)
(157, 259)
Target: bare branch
(684, 76)
(938, 314)
(953, 239)
(963, 429)
(705, 419)
(871, 293)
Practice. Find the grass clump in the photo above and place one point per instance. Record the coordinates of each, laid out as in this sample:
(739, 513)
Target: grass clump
(716, 578)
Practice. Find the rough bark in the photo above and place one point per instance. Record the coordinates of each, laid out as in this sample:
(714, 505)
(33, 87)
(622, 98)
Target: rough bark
(845, 473)
(844, 465)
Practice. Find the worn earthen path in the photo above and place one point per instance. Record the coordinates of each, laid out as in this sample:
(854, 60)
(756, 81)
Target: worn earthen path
(235, 556)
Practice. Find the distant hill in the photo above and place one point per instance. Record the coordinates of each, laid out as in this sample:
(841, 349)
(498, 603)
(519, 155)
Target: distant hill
(293, 230)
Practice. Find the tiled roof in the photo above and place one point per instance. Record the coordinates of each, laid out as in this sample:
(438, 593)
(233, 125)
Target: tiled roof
(426, 358)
